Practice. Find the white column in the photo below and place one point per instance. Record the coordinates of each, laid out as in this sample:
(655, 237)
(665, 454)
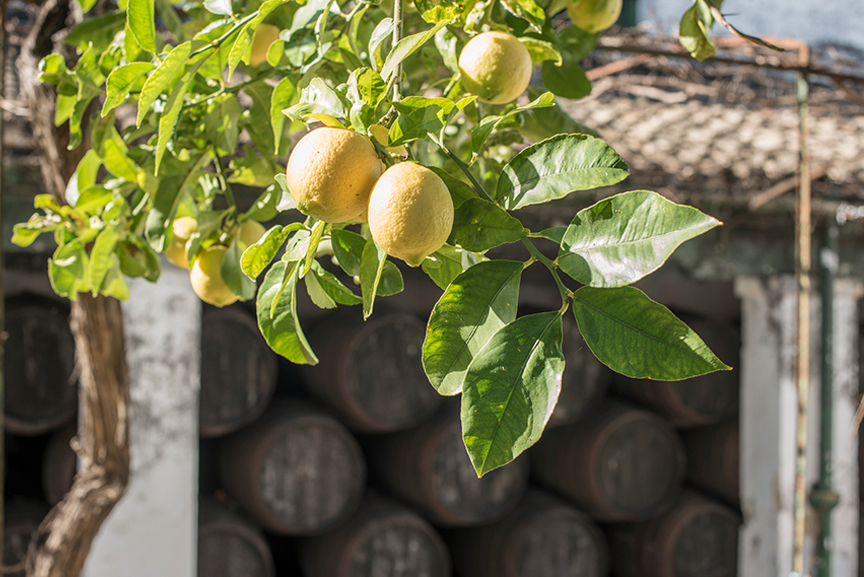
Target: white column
(153, 529)
(767, 425)
(844, 521)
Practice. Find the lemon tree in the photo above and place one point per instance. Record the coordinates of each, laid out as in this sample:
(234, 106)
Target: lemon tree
(421, 121)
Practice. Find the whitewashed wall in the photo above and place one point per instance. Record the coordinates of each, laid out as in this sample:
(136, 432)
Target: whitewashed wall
(816, 21)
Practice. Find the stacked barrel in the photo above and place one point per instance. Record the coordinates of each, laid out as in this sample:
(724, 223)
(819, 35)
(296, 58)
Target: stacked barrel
(356, 467)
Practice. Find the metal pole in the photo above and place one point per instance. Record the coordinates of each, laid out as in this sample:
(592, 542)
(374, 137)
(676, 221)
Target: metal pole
(802, 358)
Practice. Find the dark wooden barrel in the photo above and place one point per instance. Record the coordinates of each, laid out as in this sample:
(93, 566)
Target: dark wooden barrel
(238, 371)
(585, 381)
(41, 391)
(371, 372)
(229, 545)
(542, 537)
(696, 538)
(619, 464)
(713, 460)
(21, 517)
(59, 463)
(382, 539)
(698, 401)
(429, 467)
(296, 470)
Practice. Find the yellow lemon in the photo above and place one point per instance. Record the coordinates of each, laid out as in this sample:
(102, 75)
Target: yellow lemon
(495, 66)
(206, 277)
(181, 230)
(410, 212)
(594, 15)
(251, 232)
(331, 172)
(380, 133)
(265, 35)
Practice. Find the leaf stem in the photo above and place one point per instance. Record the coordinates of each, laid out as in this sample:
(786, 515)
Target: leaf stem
(397, 36)
(229, 194)
(231, 89)
(536, 254)
(478, 188)
(218, 42)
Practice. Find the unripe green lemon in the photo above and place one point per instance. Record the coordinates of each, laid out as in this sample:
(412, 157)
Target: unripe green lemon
(331, 172)
(410, 212)
(265, 35)
(181, 229)
(251, 232)
(206, 277)
(495, 66)
(594, 15)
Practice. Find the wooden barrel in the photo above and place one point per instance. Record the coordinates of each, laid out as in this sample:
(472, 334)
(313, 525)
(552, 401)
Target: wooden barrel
(238, 371)
(696, 538)
(713, 460)
(21, 517)
(585, 381)
(371, 372)
(41, 390)
(59, 463)
(229, 545)
(542, 537)
(296, 470)
(429, 467)
(382, 539)
(619, 464)
(698, 401)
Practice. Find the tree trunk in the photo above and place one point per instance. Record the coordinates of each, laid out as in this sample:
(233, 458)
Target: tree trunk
(63, 540)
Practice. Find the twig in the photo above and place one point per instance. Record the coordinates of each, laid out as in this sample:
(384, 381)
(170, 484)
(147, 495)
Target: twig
(718, 16)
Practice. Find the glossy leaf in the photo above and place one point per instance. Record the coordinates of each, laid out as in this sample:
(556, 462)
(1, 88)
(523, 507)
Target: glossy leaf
(348, 249)
(479, 225)
(280, 99)
(510, 390)
(326, 290)
(102, 257)
(474, 307)
(371, 267)
(639, 338)
(406, 47)
(276, 309)
(433, 11)
(243, 40)
(219, 7)
(693, 31)
(418, 116)
(140, 20)
(541, 123)
(626, 237)
(161, 78)
(121, 81)
(567, 81)
(528, 10)
(239, 284)
(258, 256)
(556, 167)
(99, 30)
(67, 270)
(541, 50)
(481, 132)
(170, 117)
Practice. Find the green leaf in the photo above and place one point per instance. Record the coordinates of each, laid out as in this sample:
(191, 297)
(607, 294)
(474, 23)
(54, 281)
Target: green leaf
(281, 98)
(99, 30)
(286, 201)
(162, 78)
(447, 263)
(67, 270)
(391, 281)
(114, 284)
(115, 156)
(221, 123)
(433, 11)
(171, 115)
(447, 43)
(480, 225)
(460, 191)
(366, 90)
(166, 200)
(328, 289)
(511, 389)
(541, 123)
(138, 259)
(418, 116)
(382, 32)
(527, 10)
(314, 240)
(277, 314)
(556, 167)
(239, 284)
(258, 256)
(83, 177)
(478, 303)
(567, 81)
(626, 237)
(264, 207)
(693, 31)
(86, 5)
(406, 47)
(121, 81)
(639, 338)
(541, 50)
(348, 249)
(24, 234)
(102, 257)
(481, 132)
(317, 98)
(243, 40)
(371, 267)
(141, 21)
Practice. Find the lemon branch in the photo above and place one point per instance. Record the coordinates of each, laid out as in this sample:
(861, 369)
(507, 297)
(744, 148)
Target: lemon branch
(397, 36)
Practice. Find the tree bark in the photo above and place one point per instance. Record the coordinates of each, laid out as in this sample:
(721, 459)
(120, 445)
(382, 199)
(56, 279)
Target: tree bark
(63, 540)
